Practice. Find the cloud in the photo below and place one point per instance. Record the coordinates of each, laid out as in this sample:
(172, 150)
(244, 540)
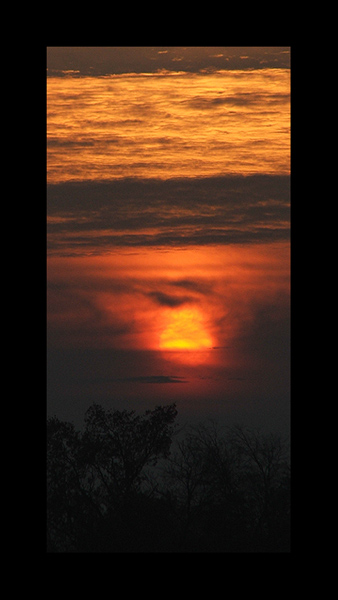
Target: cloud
(106, 60)
(168, 300)
(54, 142)
(199, 287)
(239, 99)
(155, 379)
(60, 143)
(91, 216)
(145, 125)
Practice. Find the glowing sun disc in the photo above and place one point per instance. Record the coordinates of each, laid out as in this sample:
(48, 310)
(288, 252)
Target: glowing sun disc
(185, 330)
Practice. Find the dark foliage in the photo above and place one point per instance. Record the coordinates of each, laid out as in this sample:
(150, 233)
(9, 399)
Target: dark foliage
(118, 487)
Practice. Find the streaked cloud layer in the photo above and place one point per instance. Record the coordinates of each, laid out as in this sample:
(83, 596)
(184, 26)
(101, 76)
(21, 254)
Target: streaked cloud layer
(91, 218)
(168, 125)
(98, 61)
(168, 159)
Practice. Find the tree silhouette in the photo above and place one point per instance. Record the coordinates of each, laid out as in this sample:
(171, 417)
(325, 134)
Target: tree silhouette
(99, 474)
(119, 487)
(120, 445)
(231, 489)
(266, 481)
(70, 504)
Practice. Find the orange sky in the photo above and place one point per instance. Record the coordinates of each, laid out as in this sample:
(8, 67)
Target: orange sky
(206, 323)
(196, 298)
(170, 125)
(168, 238)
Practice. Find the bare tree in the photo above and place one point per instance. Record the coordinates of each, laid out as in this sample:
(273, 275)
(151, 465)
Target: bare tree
(265, 475)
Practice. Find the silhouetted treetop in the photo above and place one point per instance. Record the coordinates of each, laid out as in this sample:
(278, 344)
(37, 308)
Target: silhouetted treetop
(119, 486)
(121, 443)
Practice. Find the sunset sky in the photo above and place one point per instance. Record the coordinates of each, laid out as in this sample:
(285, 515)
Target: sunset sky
(168, 224)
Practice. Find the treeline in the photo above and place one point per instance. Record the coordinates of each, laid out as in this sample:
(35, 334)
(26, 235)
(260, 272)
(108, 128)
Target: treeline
(134, 483)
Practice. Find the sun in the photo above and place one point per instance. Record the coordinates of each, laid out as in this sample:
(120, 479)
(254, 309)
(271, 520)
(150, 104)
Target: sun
(185, 329)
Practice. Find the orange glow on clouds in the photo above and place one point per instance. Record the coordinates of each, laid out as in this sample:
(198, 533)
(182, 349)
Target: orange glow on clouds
(174, 301)
(169, 125)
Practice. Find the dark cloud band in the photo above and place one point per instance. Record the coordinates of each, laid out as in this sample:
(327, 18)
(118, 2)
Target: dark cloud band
(154, 212)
